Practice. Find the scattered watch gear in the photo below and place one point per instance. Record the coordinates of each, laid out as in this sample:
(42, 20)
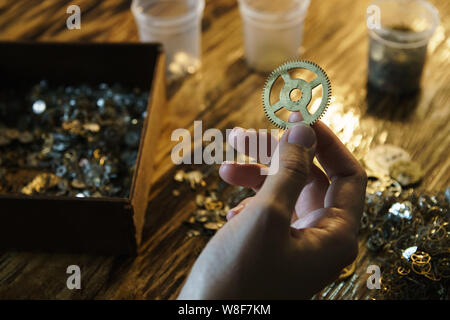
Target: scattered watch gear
(380, 158)
(292, 84)
(406, 172)
(348, 271)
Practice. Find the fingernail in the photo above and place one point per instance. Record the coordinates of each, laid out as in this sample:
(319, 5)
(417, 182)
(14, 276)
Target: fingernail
(237, 129)
(238, 208)
(230, 215)
(295, 117)
(235, 132)
(234, 211)
(228, 162)
(302, 135)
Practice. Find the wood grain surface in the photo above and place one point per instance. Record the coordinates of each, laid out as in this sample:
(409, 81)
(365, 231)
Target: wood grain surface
(226, 93)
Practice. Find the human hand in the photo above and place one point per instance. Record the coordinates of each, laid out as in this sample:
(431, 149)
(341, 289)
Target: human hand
(299, 230)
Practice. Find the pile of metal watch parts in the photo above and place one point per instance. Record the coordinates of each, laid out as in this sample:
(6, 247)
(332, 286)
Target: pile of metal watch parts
(70, 140)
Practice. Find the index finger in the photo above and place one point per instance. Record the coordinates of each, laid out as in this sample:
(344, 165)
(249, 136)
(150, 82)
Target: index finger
(348, 179)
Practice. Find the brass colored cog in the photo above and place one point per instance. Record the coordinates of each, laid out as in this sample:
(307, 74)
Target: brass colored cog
(292, 84)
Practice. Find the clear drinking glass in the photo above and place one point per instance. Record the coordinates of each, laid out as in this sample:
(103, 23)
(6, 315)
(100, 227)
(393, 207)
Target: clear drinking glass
(177, 25)
(398, 43)
(272, 31)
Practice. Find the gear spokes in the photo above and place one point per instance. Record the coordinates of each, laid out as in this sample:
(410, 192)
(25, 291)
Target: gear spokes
(291, 84)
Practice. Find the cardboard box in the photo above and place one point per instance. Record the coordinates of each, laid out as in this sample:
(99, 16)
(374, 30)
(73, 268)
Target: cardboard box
(84, 225)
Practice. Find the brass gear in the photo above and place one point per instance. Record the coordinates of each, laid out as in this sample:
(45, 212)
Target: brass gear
(292, 84)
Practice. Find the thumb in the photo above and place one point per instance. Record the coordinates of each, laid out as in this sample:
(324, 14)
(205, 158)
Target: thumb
(294, 157)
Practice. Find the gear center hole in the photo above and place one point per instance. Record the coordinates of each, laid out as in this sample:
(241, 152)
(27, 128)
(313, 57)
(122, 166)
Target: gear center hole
(295, 94)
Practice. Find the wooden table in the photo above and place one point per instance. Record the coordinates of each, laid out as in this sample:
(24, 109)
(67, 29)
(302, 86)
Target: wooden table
(226, 93)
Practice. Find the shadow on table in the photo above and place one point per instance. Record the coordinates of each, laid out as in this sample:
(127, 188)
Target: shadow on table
(389, 106)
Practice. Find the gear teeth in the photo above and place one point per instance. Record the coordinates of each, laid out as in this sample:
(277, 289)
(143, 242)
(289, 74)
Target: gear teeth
(289, 65)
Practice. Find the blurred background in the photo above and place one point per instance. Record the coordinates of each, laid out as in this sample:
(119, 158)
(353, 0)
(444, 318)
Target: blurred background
(221, 84)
